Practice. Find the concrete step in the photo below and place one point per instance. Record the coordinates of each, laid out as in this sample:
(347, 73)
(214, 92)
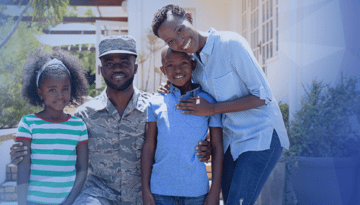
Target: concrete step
(11, 172)
(8, 192)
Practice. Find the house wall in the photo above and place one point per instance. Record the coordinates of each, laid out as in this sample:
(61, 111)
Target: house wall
(207, 14)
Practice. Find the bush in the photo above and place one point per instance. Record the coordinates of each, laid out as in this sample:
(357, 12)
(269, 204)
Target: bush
(323, 127)
(285, 114)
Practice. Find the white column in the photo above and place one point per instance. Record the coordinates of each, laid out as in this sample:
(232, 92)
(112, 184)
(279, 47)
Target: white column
(98, 63)
(295, 56)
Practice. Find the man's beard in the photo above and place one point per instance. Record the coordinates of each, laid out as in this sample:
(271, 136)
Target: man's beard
(122, 87)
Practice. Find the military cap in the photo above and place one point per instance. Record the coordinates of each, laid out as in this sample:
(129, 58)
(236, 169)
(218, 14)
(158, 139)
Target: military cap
(117, 44)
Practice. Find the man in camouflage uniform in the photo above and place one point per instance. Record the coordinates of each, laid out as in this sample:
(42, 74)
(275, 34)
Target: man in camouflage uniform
(116, 126)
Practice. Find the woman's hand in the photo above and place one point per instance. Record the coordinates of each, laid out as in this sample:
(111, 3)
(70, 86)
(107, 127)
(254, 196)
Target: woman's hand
(196, 106)
(17, 152)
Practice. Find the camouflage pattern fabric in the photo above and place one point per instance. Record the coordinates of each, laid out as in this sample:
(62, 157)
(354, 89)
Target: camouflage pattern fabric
(117, 44)
(115, 144)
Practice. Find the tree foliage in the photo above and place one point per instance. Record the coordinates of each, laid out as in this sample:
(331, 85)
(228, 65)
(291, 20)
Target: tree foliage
(325, 126)
(42, 10)
(19, 48)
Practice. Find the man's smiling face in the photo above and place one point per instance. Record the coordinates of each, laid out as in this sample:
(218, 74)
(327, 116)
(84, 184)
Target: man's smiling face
(118, 70)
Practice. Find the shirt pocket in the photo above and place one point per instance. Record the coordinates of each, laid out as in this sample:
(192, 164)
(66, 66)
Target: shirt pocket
(226, 87)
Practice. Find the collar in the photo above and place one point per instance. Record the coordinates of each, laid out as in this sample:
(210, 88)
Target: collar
(176, 91)
(137, 102)
(209, 45)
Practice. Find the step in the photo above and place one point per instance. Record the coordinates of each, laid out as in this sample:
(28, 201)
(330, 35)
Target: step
(8, 192)
(11, 172)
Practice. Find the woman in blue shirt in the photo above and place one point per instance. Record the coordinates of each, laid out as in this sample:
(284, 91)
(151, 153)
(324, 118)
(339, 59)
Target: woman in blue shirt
(253, 130)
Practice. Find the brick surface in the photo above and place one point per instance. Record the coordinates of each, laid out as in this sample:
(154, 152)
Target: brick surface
(8, 176)
(14, 169)
(2, 189)
(10, 189)
(14, 177)
(10, 197)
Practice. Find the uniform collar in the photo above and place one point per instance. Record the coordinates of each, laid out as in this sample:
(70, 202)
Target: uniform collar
(137, 102)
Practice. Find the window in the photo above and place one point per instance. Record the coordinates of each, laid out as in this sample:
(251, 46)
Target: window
(244, 18)
(268, 29)
(254, 41)
(260, 26)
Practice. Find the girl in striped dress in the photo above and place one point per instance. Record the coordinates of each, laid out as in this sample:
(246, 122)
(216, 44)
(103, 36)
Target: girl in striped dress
(55, 168)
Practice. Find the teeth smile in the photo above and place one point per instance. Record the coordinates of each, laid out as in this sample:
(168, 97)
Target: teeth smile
(119, 76)
(187, 45)
(177, 77)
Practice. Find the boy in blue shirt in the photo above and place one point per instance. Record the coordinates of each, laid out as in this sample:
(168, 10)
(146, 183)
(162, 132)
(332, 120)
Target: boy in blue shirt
(171, 171)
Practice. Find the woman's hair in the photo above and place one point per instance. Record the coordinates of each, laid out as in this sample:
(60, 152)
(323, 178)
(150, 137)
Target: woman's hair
(78, 81)
(162, 13)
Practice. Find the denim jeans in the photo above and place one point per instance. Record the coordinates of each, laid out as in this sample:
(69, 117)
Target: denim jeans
(244, 178)
(178, 200)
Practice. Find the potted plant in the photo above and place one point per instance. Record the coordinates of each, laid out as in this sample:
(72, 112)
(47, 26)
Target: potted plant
(325, 144)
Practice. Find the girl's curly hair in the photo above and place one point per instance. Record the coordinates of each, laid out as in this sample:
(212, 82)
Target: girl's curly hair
(162, 13)
(78, 81)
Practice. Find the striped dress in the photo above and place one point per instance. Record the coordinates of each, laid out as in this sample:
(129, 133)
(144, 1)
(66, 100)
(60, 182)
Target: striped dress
(53, 156)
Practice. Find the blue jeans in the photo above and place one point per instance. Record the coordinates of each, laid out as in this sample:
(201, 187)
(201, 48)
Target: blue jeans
(244, 178)
(178, 200)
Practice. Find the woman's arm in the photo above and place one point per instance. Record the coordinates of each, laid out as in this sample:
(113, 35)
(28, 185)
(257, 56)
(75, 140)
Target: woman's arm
(81, 172)
(199, 106)
(216, 141)
(147, 160)
(23, 177)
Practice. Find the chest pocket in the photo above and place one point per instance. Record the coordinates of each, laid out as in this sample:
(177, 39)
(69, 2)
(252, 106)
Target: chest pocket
(226, 87)
(103, 135)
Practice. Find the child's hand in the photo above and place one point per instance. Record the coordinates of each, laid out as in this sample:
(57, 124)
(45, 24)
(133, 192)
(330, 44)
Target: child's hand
(212, 199)
(148, 199)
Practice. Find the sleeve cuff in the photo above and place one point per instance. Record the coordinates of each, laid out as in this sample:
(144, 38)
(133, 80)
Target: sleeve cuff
(23, 138)
(262, 94)
(83, 142)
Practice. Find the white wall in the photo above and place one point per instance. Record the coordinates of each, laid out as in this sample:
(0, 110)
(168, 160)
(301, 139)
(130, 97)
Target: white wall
(218, 14)
(318, 40)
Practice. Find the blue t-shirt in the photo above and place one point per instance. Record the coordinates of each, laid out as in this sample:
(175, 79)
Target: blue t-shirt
(177, 170)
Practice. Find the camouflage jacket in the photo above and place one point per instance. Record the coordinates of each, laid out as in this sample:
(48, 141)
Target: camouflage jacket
(115, 144)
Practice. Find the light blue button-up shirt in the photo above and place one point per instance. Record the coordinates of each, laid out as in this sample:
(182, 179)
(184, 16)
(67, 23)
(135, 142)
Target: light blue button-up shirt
(177, 171)
(228, 70)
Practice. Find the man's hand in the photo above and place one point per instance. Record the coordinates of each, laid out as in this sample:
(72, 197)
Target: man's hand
(196, 106)
(212, 199)
(204, 151)
(164, 88)
(17, 152)
(148, 199)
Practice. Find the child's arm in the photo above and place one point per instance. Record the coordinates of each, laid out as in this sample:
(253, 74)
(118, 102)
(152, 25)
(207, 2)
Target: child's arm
(147, 160)
(81, 172)
(216, 141)
(23, 177)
